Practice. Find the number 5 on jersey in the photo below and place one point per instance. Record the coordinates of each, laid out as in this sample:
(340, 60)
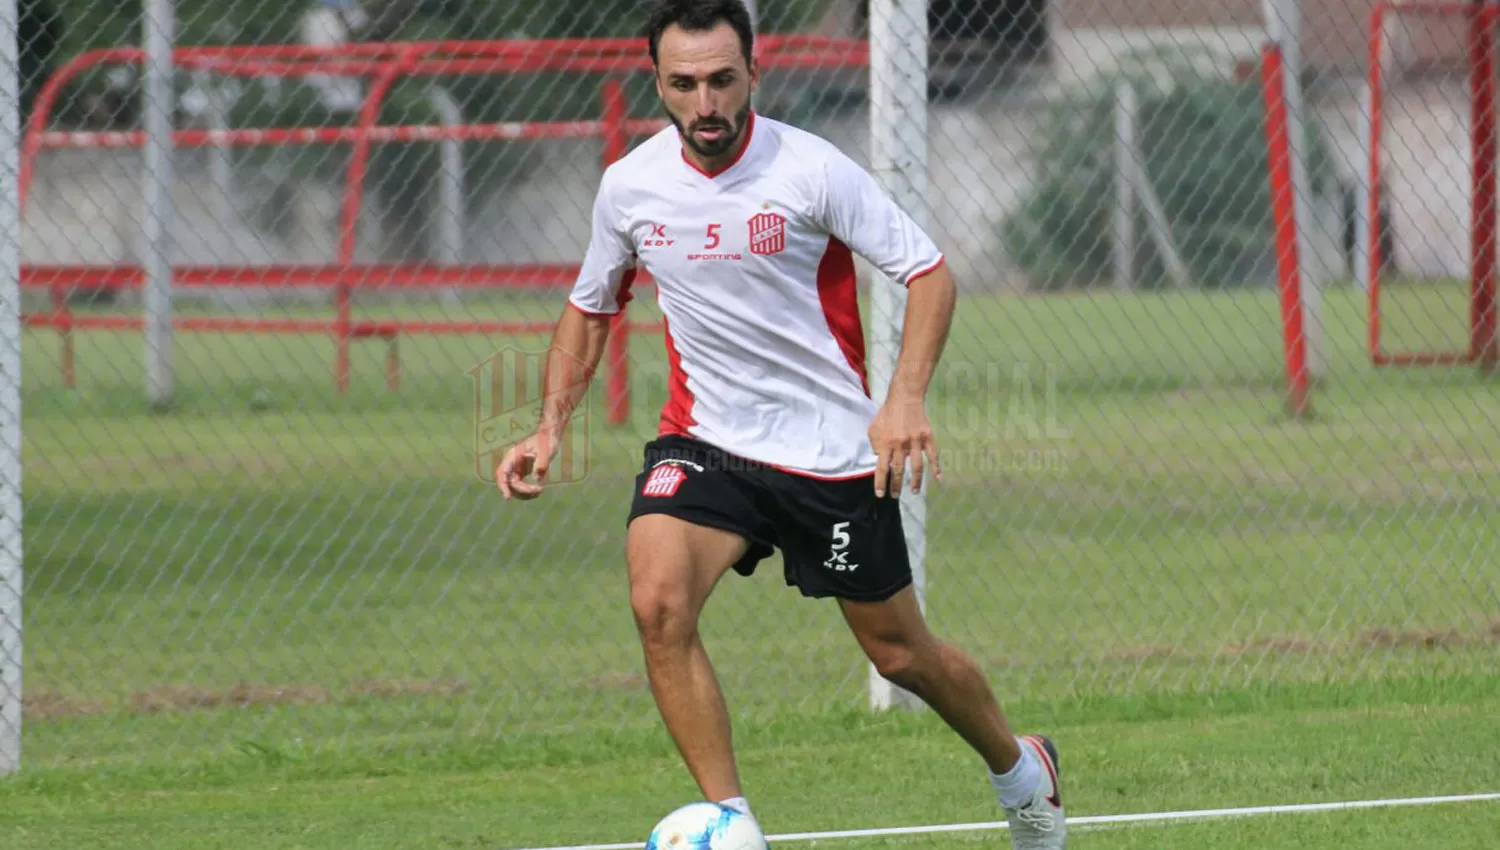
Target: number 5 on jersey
(713, 236)
(837, 558)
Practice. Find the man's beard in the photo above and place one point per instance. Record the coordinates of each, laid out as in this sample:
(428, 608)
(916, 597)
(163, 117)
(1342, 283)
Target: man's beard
(724, 143)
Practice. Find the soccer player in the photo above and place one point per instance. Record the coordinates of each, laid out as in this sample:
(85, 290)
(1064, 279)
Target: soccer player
(769, 438)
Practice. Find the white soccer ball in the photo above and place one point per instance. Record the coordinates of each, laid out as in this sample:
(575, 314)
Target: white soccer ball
(706, 826)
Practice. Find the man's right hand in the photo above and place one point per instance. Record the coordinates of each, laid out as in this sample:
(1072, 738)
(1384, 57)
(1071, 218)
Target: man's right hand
(531, 456)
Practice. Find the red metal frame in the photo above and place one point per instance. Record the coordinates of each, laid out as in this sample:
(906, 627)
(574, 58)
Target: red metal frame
(1484, 342)
(384, 63)
(1284, 217)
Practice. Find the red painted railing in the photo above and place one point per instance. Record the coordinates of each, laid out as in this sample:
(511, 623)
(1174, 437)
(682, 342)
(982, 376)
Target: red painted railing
(383, 64)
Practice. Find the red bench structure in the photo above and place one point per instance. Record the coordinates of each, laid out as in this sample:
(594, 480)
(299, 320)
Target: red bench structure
(383, 64)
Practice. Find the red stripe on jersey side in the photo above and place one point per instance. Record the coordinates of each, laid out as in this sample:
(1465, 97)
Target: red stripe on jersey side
(921, 273)
(623, 295)
(839, 295)
(677, 413)
(744, 146)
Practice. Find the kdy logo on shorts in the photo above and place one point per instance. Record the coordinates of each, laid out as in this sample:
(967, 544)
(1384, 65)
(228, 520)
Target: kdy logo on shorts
(508, 406)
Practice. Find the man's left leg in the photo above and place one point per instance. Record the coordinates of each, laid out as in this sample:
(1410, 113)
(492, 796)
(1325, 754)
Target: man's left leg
(839, 540)
(897, 641)
(1023, 771)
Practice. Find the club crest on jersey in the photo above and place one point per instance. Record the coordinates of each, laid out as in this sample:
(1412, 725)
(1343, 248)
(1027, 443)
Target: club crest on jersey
(664, 481)
(767, 233)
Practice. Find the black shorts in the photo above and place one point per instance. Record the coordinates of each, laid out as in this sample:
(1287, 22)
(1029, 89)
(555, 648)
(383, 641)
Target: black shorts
(837, 539)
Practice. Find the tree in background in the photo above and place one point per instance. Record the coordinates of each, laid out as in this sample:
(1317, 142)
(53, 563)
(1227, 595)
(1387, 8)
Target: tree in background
(40, 33)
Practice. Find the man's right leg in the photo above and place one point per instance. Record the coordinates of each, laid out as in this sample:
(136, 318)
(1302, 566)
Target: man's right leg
(674, 565)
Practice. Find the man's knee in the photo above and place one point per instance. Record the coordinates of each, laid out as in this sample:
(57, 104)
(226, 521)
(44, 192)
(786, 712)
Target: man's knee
(673, 566)
(896, 660)
(664, 611)
(895, 638)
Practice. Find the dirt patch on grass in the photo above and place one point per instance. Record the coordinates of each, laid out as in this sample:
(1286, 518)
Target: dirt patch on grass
(1276, 645)
(1386, 638)
(173, 697)
(1143, 652)
(1378, 638)
(391, 689)
(52, 705)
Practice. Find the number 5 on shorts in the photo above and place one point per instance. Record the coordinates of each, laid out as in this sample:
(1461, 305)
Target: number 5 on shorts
(840, 536)
(837, 559)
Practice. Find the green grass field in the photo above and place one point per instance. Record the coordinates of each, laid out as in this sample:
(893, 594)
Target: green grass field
(277, 617)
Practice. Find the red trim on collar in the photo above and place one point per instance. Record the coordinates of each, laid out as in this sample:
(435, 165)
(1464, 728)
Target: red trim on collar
(749, 133)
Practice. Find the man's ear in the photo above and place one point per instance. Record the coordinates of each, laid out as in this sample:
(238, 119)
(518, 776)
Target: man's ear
(754, 74)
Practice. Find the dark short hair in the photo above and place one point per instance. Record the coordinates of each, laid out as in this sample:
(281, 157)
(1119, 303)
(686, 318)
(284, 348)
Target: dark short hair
(700, 16)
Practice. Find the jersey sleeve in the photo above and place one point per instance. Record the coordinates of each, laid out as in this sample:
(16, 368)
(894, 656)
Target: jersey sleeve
(609, 263)
(855, 209)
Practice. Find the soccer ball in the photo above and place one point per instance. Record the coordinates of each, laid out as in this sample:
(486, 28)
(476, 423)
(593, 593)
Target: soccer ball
(706, 826)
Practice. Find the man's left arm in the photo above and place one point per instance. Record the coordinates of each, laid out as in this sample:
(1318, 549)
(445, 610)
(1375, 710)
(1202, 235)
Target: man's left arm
(858, 212)
(901, 430)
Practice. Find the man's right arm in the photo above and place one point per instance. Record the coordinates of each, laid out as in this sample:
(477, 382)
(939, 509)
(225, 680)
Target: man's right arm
(572, 359)
(600, 293)
(577, 343)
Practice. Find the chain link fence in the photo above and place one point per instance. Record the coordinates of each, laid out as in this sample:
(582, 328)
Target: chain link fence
(293, 541)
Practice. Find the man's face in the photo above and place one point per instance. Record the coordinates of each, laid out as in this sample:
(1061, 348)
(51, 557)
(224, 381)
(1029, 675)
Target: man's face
(705, 85)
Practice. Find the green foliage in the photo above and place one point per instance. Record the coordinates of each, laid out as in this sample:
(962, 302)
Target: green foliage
(1202, 139)
(90, 24)
(93, 24)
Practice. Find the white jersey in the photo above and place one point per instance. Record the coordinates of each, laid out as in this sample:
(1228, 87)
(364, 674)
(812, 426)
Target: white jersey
(755, 276)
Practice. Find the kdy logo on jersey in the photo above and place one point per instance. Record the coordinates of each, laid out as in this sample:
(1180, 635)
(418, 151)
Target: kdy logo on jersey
(767, 233)
(657, 238)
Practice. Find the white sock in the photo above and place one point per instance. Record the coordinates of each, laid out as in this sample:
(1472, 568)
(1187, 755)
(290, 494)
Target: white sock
(739, 804)
(1018, 784)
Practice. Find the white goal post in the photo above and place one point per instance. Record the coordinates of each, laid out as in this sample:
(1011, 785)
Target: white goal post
(10, 391)
(898, 159)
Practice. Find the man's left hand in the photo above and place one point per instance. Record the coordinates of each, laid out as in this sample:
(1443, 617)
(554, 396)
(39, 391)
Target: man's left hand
(901, 432)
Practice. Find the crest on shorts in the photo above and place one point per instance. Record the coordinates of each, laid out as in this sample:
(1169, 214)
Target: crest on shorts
(664, 481)
(508, 406)
(767, 233)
